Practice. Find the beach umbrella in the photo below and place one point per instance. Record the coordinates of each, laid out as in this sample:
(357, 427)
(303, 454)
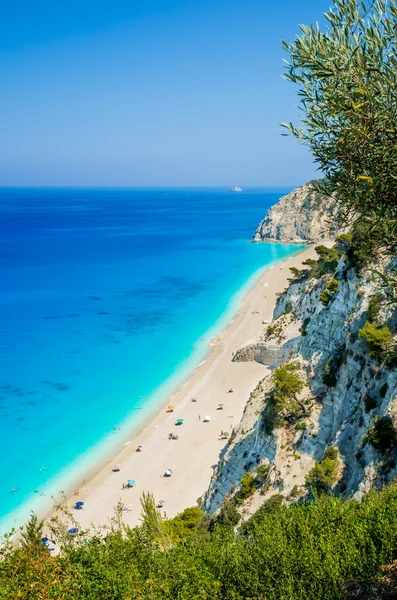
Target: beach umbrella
(168, 471)
(179, 422)
(79, 503)
(131, 482)
(171, 407)
(73, 530)
(45, 539)
(140, 447)
(116, 468)
(207, 418)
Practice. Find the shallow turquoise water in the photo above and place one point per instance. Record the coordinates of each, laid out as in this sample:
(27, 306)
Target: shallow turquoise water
(105, 294)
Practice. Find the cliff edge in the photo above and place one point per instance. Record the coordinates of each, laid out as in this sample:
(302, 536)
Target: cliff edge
(304, 215)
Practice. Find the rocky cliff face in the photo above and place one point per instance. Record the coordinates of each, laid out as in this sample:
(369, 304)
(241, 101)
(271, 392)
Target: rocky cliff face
(346, 389)
(302, 216)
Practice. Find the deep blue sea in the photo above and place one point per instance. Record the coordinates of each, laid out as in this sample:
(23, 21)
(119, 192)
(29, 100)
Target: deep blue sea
(105, 295)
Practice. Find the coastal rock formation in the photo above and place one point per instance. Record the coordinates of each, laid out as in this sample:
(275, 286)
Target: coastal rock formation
(302, 216)
(347, 389)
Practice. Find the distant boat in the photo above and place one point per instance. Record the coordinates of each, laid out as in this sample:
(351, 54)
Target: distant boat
(235, 189)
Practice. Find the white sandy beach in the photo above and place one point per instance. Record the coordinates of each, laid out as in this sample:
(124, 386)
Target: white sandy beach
(191, 456)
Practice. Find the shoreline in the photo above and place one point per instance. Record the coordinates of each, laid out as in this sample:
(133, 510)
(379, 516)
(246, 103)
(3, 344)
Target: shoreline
(198, 446)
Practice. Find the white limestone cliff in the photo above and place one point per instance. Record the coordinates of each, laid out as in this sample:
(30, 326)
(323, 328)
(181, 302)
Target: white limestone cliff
(301, 216)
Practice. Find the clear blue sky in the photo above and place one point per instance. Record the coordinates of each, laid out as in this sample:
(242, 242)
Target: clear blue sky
(149, 92)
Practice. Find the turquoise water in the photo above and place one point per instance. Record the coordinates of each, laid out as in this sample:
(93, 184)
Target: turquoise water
(107, 294)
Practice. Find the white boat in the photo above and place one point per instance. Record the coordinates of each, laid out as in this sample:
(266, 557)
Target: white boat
(236, 188)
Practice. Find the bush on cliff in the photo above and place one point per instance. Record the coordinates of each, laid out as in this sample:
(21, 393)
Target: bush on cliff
(325, 473)
(379, 339)
(382, 435)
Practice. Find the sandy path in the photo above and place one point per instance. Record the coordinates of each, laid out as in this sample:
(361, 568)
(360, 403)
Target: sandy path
(191, 456)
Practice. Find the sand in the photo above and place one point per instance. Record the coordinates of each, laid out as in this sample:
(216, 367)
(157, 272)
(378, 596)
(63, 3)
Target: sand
(193, 455)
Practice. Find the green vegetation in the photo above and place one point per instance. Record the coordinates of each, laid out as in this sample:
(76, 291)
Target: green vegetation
(31, 536)
(185, 524)
(331, 371)
(363, 247)
(288, 308)
(382, 435)
(304, 550)
(228, 516)
(283, 406)
(262, 473)
(329, 292)
(346, 74)
(374, 305)
(379, 339)
(325, 473)
(369, 402)
(305, 323)
(247, 487)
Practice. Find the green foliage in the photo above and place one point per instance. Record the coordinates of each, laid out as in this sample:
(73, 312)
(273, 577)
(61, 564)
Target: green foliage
(329, 292)
(32, 534)
(305, 323)
(228, 515)
(331, 371)
(343, 241)
(288, 308)
(374, 305)
(262, 473)
(153, 526)
(327, 263)
(347, 77)
(247, 487)
(185, 524)
(269, 507)
(382, 435)
(305, 550)
(379, 339)
(282, 405)
(363, 247)
(369, 402)
(301, 426)
(325, 473)
(287, 384)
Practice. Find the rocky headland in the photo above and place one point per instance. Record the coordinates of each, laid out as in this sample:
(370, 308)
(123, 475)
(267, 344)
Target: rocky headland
(302, 216)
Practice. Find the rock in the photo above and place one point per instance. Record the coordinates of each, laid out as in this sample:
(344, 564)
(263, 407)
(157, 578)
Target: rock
(302, 216)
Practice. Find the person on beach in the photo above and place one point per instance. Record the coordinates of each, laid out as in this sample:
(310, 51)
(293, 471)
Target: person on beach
(199, 417)
(165, 516)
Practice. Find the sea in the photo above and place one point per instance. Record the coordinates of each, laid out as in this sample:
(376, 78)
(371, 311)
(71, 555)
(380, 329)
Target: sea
(109, 297)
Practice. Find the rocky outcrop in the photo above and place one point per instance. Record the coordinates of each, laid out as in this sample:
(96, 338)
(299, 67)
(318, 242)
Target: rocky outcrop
(347, 389)
(302, 216)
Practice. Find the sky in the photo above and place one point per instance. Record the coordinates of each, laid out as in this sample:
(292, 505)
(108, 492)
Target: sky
(149, 93)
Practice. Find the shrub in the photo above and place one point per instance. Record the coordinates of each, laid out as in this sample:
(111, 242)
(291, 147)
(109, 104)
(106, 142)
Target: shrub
(362, 250)
(329, 292)
(282, 405)
(262, 473)
(288, 308)
(185, 524)
(305, 324)
(247, 487)
(287, 384)
(374, 305)
(382, 435)
(301, 426)
(331, 371)
(379, 339)
(228, 515)
(369, 402)
(325, 473)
